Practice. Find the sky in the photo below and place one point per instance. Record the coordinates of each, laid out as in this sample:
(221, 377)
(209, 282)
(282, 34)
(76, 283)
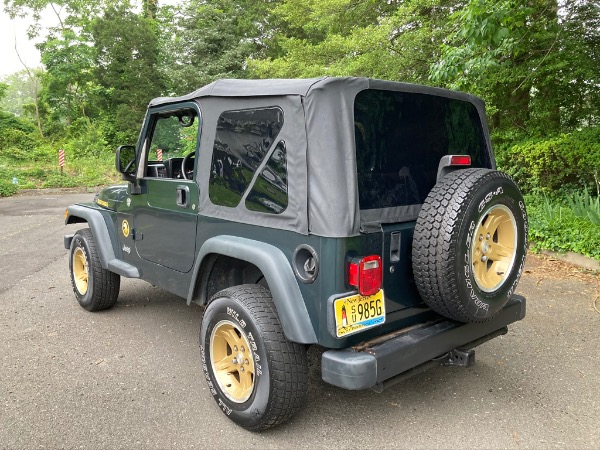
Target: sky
(9, 30)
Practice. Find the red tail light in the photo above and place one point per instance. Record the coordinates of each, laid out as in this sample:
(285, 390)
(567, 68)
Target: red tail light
(460, 160)
(365, 274)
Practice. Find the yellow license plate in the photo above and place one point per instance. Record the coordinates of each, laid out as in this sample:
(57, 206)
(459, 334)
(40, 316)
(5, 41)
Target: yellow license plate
(357, 313)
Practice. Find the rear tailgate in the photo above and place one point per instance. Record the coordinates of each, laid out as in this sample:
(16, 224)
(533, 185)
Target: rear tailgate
(394, 243)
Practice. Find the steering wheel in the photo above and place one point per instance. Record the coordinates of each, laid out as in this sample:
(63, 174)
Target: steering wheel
(129, 165)
(186, 159)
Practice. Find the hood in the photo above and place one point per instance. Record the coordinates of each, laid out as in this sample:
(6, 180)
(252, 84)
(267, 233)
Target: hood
(111, 196)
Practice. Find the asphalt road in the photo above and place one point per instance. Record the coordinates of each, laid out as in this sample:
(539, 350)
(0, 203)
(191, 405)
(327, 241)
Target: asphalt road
(130, 377)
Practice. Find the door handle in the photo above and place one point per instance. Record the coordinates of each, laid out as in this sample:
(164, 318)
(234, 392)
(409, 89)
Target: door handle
(395, 247)
(183, 196)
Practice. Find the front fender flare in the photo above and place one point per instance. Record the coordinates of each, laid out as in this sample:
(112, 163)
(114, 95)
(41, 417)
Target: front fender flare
(104, 240)
(287, 297)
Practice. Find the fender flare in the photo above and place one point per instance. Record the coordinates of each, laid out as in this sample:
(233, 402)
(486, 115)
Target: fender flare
(98, 223)
(287, 297)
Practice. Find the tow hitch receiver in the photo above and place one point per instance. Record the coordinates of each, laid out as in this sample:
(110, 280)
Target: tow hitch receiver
(459, 358)
(454, 358)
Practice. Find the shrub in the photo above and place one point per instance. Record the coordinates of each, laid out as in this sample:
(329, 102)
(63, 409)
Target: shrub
(7, 188)
(88, 140)
(585, 205)
(16, 144)
(567, 161)
(8, 121)
(555, 226)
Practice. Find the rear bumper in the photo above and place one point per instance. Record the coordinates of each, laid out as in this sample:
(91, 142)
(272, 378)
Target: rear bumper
(370, 364)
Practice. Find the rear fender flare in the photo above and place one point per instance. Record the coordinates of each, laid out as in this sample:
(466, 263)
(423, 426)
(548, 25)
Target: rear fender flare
(284, 288)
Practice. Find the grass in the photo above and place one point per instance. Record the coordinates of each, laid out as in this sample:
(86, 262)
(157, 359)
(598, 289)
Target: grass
(585, 205)
(563, 224)
(41, 173)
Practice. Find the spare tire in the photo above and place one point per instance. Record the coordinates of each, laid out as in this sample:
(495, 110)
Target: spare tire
(469, 244)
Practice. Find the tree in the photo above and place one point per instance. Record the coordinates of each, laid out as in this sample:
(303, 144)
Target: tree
(69, 80)
(150, 8)
(126, 69)
(209, 39)
(19, 92)
(529, 59)
(67, 52)
(391, 40)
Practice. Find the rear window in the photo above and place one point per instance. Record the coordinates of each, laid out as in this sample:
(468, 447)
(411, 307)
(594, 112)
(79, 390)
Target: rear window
(400, 139)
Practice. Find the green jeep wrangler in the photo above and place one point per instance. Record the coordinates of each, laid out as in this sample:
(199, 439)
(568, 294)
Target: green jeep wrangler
(361, 215)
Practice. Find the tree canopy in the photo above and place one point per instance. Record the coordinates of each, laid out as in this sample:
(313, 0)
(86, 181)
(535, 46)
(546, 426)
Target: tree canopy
(535, 62)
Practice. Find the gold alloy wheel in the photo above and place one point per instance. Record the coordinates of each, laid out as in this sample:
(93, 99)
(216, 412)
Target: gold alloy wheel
(494, 248)
(232, 361)
(80, 270)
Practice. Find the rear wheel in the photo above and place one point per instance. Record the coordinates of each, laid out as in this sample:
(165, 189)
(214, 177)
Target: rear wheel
(469, 244)
(257, 377)
(95, 288)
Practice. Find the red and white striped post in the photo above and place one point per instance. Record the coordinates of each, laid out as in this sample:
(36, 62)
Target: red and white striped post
(61, 160)
(159, 154)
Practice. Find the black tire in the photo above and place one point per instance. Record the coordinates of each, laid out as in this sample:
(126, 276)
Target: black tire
(276, 368)
(95, 288)
(469, 244)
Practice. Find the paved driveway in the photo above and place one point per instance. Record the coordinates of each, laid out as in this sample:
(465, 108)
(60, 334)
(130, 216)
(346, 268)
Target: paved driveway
(130, 377)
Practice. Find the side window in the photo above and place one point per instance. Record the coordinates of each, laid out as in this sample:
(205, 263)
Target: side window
(174, 136)
(242, 141)
(269, 193)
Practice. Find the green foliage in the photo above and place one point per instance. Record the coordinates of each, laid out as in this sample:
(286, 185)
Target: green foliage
(555, 226)
(16, 136)
(491, 32)
(7, 188)
(585, 205)
(87, 140)
(44, 172)
(9, 121)
(19, 92)
(69, 84)
(390, 40)
(567, 161)
(533, 61)
(126, 69)
(207, 40)
(3, 89)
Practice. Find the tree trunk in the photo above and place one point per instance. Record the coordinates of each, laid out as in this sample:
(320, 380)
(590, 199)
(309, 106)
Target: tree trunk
(150, 8)
(34, 81)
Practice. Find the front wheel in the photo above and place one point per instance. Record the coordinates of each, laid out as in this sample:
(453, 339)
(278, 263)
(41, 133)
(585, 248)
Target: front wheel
(95, 288)
(258, 378)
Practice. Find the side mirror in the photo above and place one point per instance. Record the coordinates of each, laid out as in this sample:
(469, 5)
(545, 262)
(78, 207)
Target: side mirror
(125, 162)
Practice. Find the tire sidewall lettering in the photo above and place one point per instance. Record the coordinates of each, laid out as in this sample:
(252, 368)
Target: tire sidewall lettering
(486, 304)
(251, 340)
(445, 242)
(211, 385)
(523, 212)
(489, 196)
(245, 413)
